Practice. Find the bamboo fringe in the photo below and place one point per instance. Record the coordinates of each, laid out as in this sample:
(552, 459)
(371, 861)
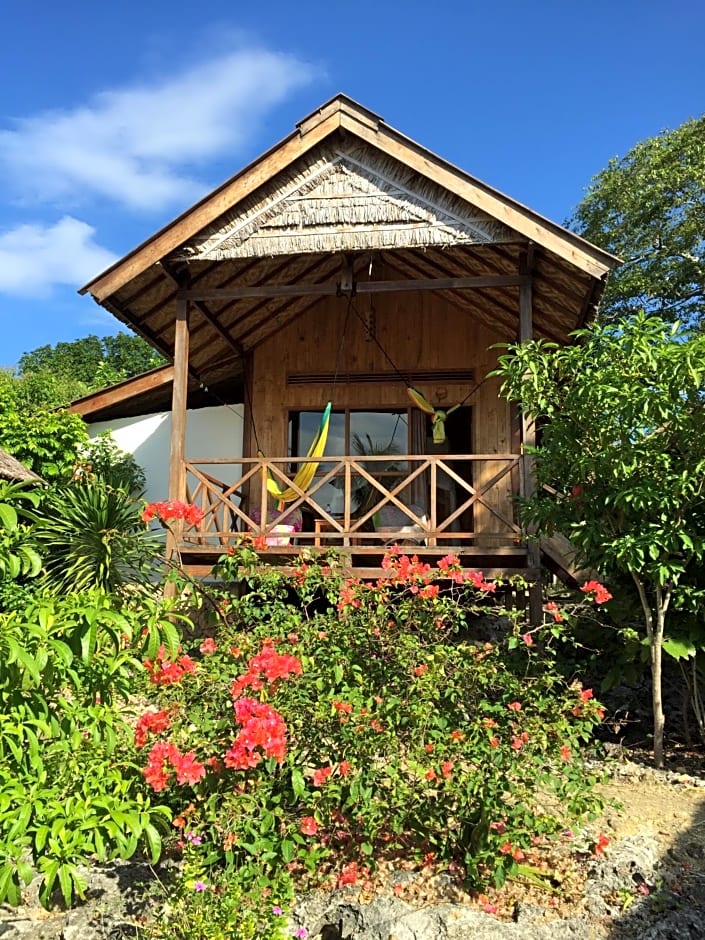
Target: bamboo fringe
(304, 209)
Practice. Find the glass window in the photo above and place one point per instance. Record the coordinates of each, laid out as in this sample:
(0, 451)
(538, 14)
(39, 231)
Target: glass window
(358, 434)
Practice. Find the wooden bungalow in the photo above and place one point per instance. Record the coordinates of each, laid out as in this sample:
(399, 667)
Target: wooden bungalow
(348, 264)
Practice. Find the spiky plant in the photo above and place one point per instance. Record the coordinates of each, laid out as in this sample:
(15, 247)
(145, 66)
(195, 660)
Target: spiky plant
(92, 535)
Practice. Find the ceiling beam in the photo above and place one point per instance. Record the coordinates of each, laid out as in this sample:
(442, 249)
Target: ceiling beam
(361, 287)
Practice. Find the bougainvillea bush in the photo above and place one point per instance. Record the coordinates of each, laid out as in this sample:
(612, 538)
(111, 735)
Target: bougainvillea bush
(325, 723)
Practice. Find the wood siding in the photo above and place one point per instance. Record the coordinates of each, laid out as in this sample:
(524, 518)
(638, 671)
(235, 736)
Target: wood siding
(418, 332)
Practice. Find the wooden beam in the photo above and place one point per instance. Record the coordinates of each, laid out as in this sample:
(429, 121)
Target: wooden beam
(528, 434)
(177, 475)
(360, 287)
(203, 310)
(560, 241)
(124, 391)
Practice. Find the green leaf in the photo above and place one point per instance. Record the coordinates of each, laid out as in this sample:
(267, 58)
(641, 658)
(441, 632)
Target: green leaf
(679, 648)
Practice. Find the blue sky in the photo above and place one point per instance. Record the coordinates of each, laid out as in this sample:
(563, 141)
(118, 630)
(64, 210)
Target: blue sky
(114, 118)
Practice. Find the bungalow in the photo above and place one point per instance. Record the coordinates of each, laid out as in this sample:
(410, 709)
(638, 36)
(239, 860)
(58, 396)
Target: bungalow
(355, 285)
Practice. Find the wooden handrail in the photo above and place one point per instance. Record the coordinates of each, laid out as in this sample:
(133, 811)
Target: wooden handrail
(227, 504)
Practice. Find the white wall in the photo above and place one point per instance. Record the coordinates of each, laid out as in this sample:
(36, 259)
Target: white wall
(210, 432)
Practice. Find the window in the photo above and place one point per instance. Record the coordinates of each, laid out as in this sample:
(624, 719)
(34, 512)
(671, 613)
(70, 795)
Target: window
(358, 434)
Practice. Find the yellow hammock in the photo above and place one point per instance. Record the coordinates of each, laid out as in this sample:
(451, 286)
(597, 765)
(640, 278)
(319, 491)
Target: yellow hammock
(307, 471)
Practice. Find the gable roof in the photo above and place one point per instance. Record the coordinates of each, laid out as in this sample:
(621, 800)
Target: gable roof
(343, 182)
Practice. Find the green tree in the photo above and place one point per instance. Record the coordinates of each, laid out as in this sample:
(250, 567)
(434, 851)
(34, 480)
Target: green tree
(623, 443)
(43, 439)
(648, 208)
(93, 361)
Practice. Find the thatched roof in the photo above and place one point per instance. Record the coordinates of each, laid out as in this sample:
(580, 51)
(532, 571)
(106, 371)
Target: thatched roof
(345, 185)
(11, 469)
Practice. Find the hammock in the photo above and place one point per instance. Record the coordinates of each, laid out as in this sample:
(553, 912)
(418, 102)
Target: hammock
(307, 471)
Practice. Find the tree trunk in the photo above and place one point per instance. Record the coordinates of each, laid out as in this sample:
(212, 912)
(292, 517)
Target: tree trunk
(656, 685)
(654, 632)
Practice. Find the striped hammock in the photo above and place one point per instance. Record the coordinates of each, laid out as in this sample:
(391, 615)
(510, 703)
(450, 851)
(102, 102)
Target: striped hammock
(307, 471)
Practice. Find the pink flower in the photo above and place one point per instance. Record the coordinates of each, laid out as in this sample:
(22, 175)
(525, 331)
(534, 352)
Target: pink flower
(208, 646)
(528, 639)
(514, 706)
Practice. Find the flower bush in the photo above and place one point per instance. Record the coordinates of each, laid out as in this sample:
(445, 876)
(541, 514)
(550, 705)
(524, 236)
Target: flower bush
(330, 722)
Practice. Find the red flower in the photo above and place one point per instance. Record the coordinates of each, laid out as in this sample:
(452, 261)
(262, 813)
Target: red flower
(553, 609)
(517, 743)
(343, 707)
(208, 646)
(154, 722)
(586, 695)
(349, 875)
(494, 742)
(344, 768)
(566, 752)
(448, 562)
(430, 774)
(309, 826)
(456, 735)
(263, 728)
(477, 579)
(600, 844)
(447, 768)
(429, 592)
(164, 753)
(514, 706)
(188, 769)
(420, 670)
(174, 509)
(321, 775)
(602, 595)
(166, 672)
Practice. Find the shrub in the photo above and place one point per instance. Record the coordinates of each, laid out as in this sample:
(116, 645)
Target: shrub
(69, 793)
(328, 722)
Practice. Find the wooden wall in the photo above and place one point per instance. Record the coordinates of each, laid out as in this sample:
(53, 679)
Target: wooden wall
(418, 332)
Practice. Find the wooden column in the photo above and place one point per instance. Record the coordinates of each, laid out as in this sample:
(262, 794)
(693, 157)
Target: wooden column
(177, 473)
(528, 437)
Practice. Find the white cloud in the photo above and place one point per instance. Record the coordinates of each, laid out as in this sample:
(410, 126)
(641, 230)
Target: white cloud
(140, 145)
(34, 258)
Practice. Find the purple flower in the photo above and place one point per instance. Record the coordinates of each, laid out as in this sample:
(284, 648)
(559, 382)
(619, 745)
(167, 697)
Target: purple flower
(301, 932)
(200, 886)
(277, 910)
(193, 838)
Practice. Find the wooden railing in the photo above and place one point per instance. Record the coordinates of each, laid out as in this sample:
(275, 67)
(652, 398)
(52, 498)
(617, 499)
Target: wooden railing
(433, 500)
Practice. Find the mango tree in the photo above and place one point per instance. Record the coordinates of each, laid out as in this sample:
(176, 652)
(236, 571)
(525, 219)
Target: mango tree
(622, 443)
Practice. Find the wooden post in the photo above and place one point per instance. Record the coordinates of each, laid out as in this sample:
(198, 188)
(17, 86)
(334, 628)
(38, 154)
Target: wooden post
(528, 436)
(177, 472)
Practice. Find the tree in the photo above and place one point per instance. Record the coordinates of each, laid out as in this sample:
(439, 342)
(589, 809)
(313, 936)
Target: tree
(623, 444)
(43, 439)
(93, 361)
(648, 208)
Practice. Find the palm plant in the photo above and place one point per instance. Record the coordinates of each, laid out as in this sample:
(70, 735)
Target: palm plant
(92, 535)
